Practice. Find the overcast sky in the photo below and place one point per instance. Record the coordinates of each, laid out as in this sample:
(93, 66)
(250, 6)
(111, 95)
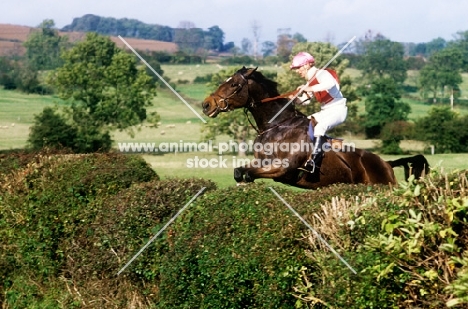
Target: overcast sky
(399, 20)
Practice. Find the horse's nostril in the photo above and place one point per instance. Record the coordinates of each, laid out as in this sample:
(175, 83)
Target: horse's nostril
(205, 105)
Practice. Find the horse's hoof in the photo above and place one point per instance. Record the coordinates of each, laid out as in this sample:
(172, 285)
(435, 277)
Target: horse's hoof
(238, 175)
(241, 184)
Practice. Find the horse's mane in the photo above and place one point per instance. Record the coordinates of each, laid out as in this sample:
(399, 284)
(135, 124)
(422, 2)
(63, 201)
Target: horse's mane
(269, 85)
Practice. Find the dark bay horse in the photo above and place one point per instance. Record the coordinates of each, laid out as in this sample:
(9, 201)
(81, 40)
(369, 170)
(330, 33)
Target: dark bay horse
(287, 139)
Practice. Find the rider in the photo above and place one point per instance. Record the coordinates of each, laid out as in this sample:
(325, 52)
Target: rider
(324, 85)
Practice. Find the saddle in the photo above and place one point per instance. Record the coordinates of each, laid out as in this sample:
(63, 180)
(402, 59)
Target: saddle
(336, 143)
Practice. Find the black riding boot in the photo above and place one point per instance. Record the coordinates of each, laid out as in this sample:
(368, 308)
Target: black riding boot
(313, 165)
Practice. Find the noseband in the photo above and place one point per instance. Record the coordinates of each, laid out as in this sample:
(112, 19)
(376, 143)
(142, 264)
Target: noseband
(236, 91)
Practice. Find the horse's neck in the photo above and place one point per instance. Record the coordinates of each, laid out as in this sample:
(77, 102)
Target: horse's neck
(272, 111)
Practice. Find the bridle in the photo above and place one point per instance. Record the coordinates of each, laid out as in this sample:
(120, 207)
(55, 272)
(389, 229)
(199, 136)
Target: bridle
(225, 100)
(239, 87)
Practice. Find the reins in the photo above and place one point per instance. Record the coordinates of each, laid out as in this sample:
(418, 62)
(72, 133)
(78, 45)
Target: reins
(239, 87)
(265, 131)
(281, 96)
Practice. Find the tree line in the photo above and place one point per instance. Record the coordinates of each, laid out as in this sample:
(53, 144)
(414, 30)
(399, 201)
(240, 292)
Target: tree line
(187, 36)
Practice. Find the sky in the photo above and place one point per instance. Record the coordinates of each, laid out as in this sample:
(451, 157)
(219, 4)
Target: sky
(336, 21)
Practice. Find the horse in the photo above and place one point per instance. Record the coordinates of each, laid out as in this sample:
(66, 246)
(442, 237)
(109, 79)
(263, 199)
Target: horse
(281, 126)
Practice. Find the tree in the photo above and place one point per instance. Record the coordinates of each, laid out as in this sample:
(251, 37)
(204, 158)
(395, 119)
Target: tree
(443, 70)
(392, 134)
(284, 44)
(43, 47)
(246, 46)
(299, 38)
(382, 58)
(461, 43)
(20, 75)
(7, 68)
(106, 89)
(435, 45)
(359, 46)
(268, 48)
(444, 129)
(383, 106)
(256, 28)
(189, 40)
(214, 39)
(124, 27)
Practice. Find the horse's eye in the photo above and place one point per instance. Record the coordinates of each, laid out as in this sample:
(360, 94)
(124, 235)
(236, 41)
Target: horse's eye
(234, 85)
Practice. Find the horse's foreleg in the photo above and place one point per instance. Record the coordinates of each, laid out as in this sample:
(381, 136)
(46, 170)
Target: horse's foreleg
(239, 174)
(249, 173)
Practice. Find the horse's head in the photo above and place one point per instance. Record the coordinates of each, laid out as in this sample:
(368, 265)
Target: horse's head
(232, 94)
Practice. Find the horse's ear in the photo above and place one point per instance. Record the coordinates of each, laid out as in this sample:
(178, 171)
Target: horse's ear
(250, 72)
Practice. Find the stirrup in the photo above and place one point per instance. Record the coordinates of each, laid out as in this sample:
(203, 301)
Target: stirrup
(308, 167)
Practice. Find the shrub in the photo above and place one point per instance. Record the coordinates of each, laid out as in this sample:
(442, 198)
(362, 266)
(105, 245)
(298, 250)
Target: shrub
(44, 202)
(240, 248)
(406, 253)
(120, 226)
(203, 79)
(69, 222)
(50, 129)
(444, 129)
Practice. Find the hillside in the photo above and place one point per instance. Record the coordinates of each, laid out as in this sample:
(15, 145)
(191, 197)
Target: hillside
(13, 36)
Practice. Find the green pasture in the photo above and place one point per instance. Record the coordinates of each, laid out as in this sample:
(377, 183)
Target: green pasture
(188, 72)
(179, 123)
(17, 112)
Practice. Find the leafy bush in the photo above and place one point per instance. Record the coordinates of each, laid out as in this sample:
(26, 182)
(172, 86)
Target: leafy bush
(43, 203)
(203, 79)
(20, 75)
(444, 129)
(407, 252)
(69, 223)
(240, 248)
(392, 134)
(50, 129)
(234, 251)
(239, 60)
(121, 225)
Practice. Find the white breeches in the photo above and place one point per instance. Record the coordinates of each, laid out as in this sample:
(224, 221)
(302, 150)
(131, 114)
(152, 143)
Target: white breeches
(331, 115)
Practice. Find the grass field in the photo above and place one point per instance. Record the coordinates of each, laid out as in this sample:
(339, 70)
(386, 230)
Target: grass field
(178, 123)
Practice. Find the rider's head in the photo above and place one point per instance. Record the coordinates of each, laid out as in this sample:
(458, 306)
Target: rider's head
(301, 59)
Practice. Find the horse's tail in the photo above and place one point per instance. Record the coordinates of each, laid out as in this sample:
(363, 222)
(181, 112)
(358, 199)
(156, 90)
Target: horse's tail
(416, 165)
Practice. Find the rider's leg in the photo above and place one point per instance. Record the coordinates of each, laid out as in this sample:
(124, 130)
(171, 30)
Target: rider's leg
(322, 122)
(315, 162)
(310, 132)
(317, 153)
